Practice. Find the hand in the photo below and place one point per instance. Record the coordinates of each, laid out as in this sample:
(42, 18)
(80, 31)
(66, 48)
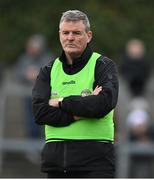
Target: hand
(97, 90)
(55, 102)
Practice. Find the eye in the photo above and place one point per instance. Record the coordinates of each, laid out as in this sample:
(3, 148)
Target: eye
(77, 33)
(65, 32)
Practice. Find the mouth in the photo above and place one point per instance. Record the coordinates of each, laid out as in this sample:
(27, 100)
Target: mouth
(70, 45)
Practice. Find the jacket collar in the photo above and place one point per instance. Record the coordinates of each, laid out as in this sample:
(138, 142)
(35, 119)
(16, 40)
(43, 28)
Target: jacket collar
(83, 59)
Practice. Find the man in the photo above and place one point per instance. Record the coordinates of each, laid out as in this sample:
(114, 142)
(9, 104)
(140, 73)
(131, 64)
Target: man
(74, 98)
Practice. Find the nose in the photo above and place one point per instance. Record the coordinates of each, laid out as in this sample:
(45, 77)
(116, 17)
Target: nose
(70, 36)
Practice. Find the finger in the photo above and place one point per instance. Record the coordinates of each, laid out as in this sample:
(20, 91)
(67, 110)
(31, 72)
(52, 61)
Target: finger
(97, 90)
(96, 87)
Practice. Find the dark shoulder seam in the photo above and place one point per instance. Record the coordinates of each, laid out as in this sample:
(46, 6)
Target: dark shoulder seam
(104, 59)
(50, 64)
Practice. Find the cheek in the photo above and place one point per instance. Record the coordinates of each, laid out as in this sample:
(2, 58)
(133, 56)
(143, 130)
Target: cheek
(83, 42)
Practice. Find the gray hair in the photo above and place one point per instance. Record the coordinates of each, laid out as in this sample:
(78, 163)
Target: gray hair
(76, 15)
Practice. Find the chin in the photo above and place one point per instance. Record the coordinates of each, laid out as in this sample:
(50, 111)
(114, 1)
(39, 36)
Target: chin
(71, 51)
(74, 53)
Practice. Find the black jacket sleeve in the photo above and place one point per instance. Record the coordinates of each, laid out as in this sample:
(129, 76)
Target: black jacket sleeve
(100, 105)
(43, 113)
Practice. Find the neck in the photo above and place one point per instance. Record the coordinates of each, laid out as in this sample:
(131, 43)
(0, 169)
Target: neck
(71, 57)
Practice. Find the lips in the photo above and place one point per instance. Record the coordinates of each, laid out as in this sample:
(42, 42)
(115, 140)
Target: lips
(70, 45)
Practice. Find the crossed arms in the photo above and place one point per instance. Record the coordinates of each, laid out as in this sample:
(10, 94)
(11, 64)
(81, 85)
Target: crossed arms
(100, 103)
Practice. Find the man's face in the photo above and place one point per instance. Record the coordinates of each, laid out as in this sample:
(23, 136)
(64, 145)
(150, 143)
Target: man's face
(74, 38)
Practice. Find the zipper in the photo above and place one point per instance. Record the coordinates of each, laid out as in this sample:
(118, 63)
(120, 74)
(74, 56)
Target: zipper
(65, 155)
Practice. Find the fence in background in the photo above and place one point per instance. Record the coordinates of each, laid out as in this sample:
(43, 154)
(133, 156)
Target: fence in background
(10, 144)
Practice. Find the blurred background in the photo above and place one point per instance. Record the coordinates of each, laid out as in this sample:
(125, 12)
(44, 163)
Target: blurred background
(123, 31)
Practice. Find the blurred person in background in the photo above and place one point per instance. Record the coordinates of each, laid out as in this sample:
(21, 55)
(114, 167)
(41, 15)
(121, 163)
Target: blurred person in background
(26, 70)
(133, 77)
(135, 67)
(135, 72)
(139, 121)
(75, 98)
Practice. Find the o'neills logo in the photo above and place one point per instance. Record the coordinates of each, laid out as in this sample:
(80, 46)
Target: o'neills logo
(68, 82)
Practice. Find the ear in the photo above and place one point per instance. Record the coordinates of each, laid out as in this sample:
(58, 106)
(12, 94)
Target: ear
(89, 36)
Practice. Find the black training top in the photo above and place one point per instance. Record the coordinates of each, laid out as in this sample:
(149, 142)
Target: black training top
(77, 155)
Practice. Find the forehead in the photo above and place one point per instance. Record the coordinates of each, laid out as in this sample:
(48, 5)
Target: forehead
(72, 26)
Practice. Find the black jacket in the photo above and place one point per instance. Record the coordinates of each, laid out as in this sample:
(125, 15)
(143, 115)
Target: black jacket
(89, 106)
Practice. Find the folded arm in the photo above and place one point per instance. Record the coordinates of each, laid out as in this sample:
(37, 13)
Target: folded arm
(43, 112)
